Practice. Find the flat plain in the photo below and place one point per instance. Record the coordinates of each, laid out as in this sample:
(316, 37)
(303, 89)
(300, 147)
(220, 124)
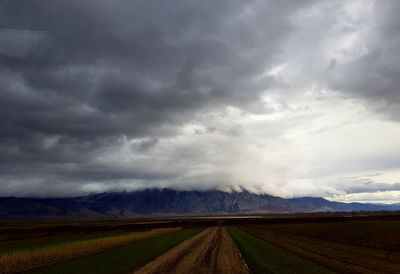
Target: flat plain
(333, 248)
(313, 243)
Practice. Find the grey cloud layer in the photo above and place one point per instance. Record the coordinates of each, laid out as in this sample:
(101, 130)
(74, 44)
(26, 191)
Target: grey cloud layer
(375, 76)
(126, 67)
(78, 76)
(81, 79)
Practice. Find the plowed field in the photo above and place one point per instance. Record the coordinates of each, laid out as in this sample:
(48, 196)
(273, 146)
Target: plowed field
(335, 251)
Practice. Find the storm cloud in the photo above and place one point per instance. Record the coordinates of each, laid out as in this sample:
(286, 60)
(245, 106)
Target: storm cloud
(99, 95)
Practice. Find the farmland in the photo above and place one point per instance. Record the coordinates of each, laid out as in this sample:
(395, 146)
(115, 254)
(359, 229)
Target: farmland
(314, 243)
(21, 260)
(122, 259)
(212, 251)
(264, 257)
(332, 245)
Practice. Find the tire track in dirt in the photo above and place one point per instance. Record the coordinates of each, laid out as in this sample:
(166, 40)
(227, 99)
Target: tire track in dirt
(211, 251)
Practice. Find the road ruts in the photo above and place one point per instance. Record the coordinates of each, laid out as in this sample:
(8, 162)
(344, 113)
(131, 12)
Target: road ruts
(211, 251)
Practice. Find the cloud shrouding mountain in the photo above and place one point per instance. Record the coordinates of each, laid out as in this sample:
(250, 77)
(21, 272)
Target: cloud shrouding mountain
(288, 98)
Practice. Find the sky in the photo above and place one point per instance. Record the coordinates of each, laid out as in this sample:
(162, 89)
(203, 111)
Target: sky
(289, 98)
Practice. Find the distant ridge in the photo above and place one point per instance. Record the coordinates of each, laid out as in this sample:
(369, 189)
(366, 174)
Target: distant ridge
(170, 202)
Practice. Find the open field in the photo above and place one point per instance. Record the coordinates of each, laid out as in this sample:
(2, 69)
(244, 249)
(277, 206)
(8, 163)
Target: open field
(211, 251)
(372, 234)
(337, 251)
(49, 241)
(22, 260)
(123, 259)
(302, 243)
(264, 257)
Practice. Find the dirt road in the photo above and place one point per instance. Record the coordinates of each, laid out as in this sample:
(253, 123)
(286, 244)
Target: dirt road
(211, 251)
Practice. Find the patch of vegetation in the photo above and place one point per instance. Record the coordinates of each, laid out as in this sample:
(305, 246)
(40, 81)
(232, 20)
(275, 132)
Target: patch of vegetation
(121, 259)
(44, 242)
(264, 257)
(21, 260)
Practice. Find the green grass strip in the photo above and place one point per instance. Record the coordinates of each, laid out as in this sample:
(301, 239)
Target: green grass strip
(121, 259)
(263, 257)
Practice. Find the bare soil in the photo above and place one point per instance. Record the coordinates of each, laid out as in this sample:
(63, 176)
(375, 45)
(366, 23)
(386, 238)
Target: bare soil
(211, 251)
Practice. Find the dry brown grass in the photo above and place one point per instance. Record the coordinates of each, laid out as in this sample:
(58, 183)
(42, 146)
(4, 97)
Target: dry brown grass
(23, 260)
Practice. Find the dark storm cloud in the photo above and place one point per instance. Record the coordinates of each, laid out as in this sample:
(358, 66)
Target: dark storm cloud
(77, 76)
(375, 76)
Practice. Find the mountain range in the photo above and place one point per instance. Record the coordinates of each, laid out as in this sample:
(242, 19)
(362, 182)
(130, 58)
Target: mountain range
(170, 202)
